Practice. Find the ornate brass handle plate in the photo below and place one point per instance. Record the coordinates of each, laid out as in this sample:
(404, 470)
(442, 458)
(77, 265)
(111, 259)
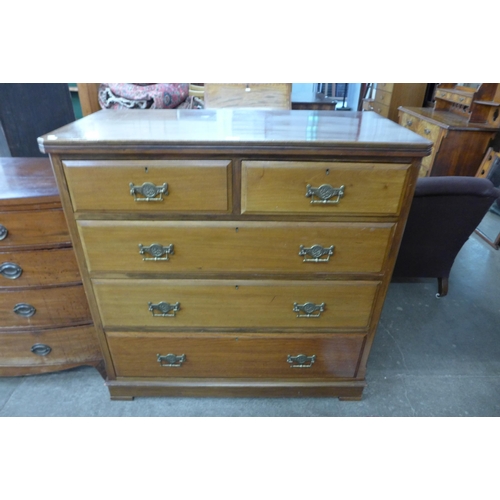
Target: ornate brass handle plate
(10, 270)
(148, 191)
(23, 309)
(301, 361)
(41, 349)
(164, 309)
(3, 232)
(325, 193)
(171, 359)
(157, 251)
(308, 309)
(315, 253)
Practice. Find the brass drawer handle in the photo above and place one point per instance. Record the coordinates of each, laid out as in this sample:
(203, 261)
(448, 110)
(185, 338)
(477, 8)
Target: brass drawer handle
(427, 131)
(308, 309)
(316, 252)
(325, 192)
(171, 359)
(300, 361)
(3, 232)
(23, 309)
(163, 309)
(41, 349)
(148, 191)
(156, 251)
(10, 270)
(409, 123)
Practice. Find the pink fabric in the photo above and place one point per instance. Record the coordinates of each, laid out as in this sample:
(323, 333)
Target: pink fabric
(142, 95)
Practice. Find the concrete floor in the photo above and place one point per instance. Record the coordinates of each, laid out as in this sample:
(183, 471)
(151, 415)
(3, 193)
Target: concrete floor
(431, 357)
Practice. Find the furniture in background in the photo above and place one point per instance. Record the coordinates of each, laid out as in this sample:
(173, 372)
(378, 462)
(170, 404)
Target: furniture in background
(461, 125)
(248, 95)
(234, 253)
(45, 321)
(489, 227)
(28, 110)
(310, 99)
(387, 97)
(444, 212)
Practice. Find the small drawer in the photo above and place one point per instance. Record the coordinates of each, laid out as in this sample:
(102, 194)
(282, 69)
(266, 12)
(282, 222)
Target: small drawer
(44, 307)
(429, 130)
(166, 248)
(322, 188)
(229, 304)
(39, 228)
(38, 268)
(236, 356)
(388, 87)
(48, 348)
(149, 186)
(381, 109)
(248, 95)
(409, 121)
(382, 97)
(461, 99)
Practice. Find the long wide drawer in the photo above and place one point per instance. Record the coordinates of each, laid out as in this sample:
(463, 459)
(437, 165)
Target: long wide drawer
(33, 229)
(225, 247)
(44, 307)
(331, 188)
(38, 268)
(235, 304)
(241, 356)
(149, 186)
(50, 347)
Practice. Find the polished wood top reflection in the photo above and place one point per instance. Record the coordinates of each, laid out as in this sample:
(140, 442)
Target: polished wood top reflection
(232, 129)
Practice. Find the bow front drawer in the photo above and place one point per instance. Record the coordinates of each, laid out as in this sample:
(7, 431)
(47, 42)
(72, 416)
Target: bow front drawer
(245, 355)
(202, 304)
(324, 188)
(149, 186)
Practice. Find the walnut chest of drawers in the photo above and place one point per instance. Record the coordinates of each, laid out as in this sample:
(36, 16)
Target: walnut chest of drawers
(45, 321)
(236, 252)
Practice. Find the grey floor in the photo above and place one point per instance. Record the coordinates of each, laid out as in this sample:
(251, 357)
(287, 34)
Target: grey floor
(431, 357)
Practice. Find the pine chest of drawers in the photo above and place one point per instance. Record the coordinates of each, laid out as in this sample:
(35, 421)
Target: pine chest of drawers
(236, 252)
(45, 321)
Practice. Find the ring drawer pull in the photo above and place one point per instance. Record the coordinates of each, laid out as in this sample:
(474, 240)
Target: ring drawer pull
(3, 232)
(316, 252)
(23, 309)
(148, 191)
(171, 359)
(324, 193)
(41, 349)
(308, 308)
(300, 361)
(10, 270)
(156, 251)
(163, 309)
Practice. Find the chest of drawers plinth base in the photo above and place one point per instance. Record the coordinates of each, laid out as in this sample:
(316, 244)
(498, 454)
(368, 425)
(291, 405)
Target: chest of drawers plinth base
(236, 253)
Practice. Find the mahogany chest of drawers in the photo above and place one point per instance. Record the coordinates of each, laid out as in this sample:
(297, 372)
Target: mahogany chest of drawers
(236, 252)
(45, 321)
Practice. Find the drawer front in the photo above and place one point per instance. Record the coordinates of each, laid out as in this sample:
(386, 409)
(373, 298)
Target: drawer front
(49, 307)
(50, 347)
(388, 87)
(409, 121)
(230, 247)
(382, 97)
(245, 355)
(429, 130)
(38, 268)
(294, 188)
(381, 109)
(33, 228)
(249, 95)
(235, 304)
(149, 186)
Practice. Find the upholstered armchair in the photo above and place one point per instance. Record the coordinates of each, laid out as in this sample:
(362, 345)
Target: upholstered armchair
(444, 213)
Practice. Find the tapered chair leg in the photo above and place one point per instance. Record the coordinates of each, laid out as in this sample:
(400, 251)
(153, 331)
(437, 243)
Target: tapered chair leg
(442, 287)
